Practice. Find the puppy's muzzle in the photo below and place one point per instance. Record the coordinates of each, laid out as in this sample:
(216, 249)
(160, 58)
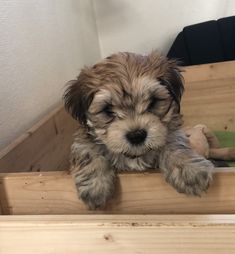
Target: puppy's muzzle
(136, 137)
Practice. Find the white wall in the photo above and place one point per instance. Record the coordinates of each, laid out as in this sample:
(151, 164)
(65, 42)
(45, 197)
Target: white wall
(143, 25)
(43, 44)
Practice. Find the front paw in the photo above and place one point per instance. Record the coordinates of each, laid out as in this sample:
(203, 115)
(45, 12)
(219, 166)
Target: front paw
(192, 178)
(95, 191)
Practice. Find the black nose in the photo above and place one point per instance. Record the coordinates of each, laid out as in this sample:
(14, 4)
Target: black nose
(136, 137)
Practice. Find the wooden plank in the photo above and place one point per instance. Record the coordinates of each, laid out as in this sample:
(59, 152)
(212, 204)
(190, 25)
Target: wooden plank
(204, 234)
(213, 71)
(54, 193)
(210, 102)
(45, 146)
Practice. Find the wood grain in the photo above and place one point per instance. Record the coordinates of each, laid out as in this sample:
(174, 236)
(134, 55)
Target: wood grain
(210, 102)
(212, 71)
(209, 96)
(195, 234)
(140, 193)
(45, 147)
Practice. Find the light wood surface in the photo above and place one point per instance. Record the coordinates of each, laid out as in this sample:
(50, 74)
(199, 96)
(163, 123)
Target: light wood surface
(44, 147)
(150, 234)
(148, 193)
(212, 71)
(209, 96)
(210, 102)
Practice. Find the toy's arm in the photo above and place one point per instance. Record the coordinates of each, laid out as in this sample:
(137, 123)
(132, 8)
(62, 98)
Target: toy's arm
(227, 153)
(211, 138)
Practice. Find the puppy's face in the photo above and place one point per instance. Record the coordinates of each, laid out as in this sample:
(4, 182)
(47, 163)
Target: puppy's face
(127, 101)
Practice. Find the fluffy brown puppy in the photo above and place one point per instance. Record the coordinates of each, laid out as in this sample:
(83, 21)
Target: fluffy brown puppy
(128, 107)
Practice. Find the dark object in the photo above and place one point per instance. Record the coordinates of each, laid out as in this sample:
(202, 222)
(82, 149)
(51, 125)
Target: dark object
(207, 42)
(136, 137)
(219, 163)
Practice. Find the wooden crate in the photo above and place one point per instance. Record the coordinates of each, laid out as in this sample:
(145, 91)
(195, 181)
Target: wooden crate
(38, 199)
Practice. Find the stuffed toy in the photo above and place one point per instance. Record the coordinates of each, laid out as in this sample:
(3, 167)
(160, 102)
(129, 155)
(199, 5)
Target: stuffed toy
(205, 143)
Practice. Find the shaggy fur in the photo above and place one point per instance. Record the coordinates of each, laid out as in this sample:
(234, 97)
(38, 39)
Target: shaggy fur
(128, 106)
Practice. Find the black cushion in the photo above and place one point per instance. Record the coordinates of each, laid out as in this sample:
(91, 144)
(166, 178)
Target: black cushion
(179, 51)
(226, 28)
(207, 42)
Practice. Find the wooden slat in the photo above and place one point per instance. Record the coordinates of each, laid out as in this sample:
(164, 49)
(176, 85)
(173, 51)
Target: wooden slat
(54, 193)
(210, 102)
(109, 234)
(213, 71)
(46, 146)
(209, 95)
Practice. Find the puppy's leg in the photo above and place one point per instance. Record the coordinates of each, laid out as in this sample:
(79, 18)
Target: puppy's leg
(185, 170)
(93, 175)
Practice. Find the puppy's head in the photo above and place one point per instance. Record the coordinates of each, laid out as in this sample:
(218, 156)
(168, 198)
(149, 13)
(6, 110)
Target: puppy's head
(127, 101)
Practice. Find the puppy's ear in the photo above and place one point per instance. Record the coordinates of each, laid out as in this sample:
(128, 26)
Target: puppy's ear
(168, 73)
(78, 97)
(173, 81)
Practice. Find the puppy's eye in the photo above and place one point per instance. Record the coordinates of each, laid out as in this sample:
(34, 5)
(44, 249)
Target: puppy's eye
(108, 110)
(153, 102)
